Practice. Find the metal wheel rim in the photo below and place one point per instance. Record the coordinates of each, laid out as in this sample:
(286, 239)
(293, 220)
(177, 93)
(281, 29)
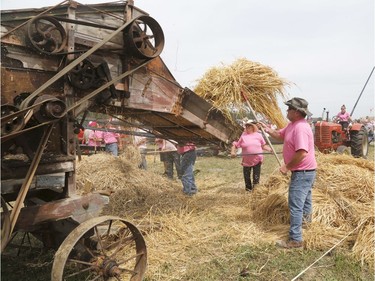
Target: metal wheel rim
(102, 258)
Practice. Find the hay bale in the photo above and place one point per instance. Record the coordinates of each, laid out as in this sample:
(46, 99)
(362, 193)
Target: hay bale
(272, 210)
(341, 202)
(320, 236)
(365, 240)
(225, 86)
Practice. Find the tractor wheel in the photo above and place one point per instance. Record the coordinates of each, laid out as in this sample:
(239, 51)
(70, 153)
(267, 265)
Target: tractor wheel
(359, 143)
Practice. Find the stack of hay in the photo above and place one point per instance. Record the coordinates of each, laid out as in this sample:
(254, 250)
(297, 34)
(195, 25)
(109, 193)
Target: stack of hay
(133, 189)
(343, 206)
(226, 86)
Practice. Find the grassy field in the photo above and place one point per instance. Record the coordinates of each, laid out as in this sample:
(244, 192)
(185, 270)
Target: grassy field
(241, 262)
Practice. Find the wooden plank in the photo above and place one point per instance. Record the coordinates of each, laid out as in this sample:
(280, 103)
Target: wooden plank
(77, 208)
(19, 171)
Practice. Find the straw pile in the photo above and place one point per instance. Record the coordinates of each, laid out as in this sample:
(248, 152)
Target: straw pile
(225, 86)
(95, 173)
(343, 199)
(217, 221)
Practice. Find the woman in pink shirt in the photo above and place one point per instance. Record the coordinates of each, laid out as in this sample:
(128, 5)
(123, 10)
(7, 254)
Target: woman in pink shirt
(343, 117)
(252, 144)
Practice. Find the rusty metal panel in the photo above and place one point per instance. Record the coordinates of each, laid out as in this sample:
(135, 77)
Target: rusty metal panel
(17, 81)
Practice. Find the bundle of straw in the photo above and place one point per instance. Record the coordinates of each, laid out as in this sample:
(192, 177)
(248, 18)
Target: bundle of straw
(226, 86)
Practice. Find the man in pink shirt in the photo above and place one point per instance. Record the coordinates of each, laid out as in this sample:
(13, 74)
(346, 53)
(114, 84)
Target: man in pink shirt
(169, 156)
(111, 140)
(188, 156)
(299, 158)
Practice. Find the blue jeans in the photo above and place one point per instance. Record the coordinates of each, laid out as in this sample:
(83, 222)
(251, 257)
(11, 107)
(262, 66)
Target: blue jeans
(187, 172)
(112, 148)
(171, 158)
(143, 164)
(300, 201)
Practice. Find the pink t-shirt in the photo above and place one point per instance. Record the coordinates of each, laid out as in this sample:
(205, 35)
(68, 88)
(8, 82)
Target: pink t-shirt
(343, 116)
(182, 149)
(110, 137)
(250, 144)
(96, 134)
(298, 135)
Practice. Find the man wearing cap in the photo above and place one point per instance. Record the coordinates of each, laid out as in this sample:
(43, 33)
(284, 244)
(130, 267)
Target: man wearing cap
(299, 158)
(111, 140)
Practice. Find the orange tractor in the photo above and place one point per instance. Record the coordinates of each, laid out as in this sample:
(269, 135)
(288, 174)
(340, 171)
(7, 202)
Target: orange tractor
(343, 138)
(330, 136)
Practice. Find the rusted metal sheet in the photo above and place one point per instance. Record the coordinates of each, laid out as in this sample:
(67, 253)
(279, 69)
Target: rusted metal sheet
(15, 82)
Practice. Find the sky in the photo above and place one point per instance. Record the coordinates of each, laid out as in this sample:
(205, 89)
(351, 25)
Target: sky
(325, 48)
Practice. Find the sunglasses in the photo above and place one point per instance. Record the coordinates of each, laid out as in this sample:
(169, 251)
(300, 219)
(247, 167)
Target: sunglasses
(290, 108)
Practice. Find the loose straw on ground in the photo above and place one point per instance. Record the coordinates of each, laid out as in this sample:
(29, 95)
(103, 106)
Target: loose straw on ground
(334, 246)
(222, 217)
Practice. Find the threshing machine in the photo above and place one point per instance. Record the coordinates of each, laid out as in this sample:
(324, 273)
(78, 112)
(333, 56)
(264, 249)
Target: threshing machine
(57, 64)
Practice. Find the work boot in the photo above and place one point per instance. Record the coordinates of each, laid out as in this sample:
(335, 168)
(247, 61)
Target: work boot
(289, 244)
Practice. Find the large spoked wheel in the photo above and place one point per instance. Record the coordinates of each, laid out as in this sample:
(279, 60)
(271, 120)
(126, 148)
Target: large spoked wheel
(47, 35)
(144, 37)
(104, 248)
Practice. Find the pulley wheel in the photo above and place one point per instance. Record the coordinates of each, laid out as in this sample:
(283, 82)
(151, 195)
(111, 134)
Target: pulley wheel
(47, 35)
(144, 37)
(51, 108)
(83, 76)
